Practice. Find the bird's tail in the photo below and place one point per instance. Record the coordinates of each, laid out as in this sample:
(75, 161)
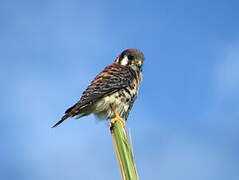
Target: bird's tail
(62, 119)
(71, 112)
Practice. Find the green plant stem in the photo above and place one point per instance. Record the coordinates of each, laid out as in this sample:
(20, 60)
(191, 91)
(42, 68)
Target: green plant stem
(123, 152)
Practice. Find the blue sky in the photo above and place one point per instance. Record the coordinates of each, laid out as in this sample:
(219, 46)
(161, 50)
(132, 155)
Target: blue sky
(185, 121)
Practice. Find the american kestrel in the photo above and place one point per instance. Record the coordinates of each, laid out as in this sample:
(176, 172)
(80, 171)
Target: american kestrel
(112, 93)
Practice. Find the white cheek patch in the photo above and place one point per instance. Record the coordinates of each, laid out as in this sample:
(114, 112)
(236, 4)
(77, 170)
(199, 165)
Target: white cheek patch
(124, 61)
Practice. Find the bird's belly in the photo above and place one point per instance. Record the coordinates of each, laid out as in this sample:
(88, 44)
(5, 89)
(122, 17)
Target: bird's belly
(122, 101)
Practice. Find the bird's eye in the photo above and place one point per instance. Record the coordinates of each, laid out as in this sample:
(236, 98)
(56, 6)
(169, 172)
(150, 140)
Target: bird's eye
(130, 57)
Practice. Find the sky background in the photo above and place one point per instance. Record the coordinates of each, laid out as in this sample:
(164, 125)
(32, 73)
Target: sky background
(185, 121)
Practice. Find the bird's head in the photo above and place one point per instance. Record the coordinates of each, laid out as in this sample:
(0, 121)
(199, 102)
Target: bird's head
(132, 58)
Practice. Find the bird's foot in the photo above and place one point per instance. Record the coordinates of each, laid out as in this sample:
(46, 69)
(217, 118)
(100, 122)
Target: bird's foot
(117, 117)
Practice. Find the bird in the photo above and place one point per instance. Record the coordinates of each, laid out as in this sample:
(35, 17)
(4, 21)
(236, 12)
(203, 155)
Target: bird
(112, 92)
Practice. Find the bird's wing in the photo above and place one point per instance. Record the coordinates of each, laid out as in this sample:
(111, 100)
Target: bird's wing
(110, 80)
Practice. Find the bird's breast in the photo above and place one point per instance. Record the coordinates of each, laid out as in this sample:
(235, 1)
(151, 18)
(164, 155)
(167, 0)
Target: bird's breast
(123, 100)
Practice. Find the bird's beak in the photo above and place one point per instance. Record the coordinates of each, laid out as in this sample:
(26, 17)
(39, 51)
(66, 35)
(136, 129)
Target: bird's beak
(138, 61)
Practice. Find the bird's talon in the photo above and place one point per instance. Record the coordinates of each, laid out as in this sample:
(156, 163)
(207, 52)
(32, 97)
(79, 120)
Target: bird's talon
(118, 119)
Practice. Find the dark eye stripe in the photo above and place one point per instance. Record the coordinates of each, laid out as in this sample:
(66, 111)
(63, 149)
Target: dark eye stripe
(130, 57)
